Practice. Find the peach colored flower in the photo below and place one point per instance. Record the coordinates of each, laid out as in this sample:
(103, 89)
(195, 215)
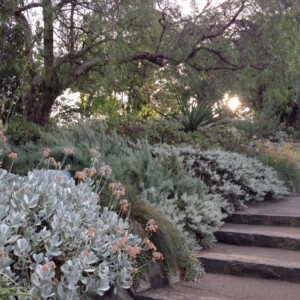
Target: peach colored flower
(151, 226)
(124, 204)
(45, 267)
(68, 151)
(80, 175)
(47, 152)
(13, 155)
(92, 231)
(157, 256)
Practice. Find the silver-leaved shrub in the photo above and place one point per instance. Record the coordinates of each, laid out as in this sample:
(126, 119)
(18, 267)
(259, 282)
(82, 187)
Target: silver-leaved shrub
(57, 241)
(235, 177)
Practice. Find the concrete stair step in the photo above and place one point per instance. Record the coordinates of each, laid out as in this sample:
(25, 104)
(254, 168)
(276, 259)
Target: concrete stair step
(263, 219)
(225, 287)
(258, 235)
(269, 263)
(285, 212)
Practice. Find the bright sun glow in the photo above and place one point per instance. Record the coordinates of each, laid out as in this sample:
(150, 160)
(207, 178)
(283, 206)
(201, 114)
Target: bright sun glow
(233, 103)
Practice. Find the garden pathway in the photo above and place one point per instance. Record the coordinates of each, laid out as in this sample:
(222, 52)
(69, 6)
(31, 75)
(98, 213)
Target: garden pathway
(257, 257)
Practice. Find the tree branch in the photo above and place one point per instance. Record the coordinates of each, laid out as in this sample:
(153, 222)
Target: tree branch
(28, 6)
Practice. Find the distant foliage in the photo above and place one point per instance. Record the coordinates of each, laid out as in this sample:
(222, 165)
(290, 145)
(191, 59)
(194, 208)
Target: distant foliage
(21, 132)
(172, 133)
(284, 158)
(56, 241)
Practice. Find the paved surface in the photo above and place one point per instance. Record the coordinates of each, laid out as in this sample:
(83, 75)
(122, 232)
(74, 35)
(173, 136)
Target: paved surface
(224, 287)
(286, 207)
(267, 256)
(284, 231)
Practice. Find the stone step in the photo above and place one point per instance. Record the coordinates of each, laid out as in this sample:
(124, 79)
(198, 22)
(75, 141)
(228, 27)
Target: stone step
(269, 263)
(263, 219)
(285, 212)
(225, 287)
(262, 236)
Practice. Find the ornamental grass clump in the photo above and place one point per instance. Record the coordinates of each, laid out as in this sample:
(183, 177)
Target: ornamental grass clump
(59, 243)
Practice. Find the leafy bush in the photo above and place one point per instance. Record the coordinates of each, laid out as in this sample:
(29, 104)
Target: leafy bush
(171, 132)
(235, 177)
(56, 240)
(228, 139)
(21, 132)
(155, 131)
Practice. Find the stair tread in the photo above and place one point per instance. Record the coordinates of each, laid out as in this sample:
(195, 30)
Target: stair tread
(287, 207)
(277, 231)
(257, 255)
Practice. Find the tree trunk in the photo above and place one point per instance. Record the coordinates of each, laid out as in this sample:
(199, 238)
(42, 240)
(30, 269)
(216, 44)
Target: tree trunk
(38, 109)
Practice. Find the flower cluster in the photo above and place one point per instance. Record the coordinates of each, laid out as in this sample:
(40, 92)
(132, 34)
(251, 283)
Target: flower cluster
(124, 204)
(150, 245)
(68, 151)
(89, 171)
(3, 138)
(118, 189)
(12, 155)
(151, 226)
(157, 256)
(105, 170)
(80, 175)
(47, 152)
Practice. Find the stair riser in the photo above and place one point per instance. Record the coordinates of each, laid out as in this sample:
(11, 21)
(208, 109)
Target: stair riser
(258, 240)
(246, 269)
(264, 220)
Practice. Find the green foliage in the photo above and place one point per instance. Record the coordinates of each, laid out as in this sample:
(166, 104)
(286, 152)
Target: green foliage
(200, 114)
(284, 157)
(155, 131)
(21, 132)
(287, 171)
(228, 138)
(143, 263)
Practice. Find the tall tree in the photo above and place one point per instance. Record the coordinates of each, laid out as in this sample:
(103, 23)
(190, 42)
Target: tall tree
(272, 91)
(75, 37)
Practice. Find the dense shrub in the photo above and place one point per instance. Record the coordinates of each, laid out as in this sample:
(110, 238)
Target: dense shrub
(171, 132)
(235, 177)
(228, 138)
(56, 241)
(155, 131)
(21, 132)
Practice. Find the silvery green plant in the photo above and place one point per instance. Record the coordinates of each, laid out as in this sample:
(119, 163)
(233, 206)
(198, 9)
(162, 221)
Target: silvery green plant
(57, 241)
(235, 177)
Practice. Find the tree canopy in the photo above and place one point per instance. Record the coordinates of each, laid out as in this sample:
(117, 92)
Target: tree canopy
(130, 45)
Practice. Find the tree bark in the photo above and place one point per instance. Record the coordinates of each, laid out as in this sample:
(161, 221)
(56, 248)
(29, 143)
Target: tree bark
(38, 109)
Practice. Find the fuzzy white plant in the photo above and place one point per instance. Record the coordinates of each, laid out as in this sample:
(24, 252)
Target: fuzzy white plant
(235, 177)
(57, 241)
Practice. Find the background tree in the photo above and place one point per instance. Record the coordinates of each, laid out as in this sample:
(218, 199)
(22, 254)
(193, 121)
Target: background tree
(75, 37)
(273, 92)
(11, 45)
